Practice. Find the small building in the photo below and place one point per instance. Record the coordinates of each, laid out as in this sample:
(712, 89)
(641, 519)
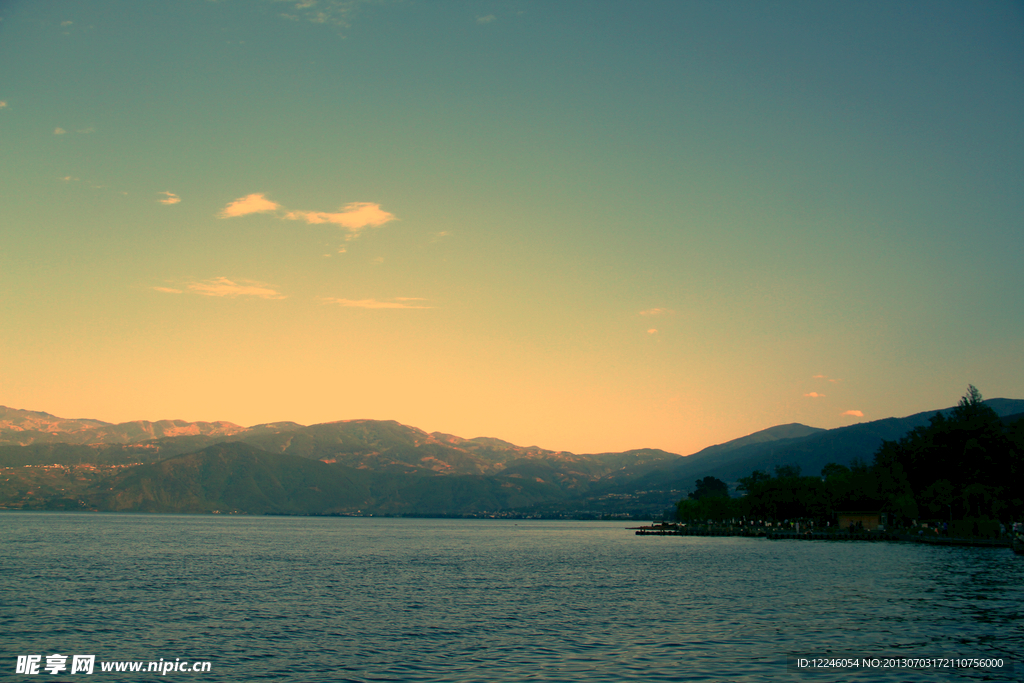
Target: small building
(868, 520)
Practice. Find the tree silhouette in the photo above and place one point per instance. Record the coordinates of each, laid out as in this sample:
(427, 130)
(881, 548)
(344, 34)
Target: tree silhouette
(961, 465)
(710, 487)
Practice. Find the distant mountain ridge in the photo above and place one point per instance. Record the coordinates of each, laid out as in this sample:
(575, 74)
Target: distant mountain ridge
(383, 467)
(25, 427)
(811, 451)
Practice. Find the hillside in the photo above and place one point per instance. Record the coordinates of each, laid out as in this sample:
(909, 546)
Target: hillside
(382, 467)
(810, 452)
(235, 477)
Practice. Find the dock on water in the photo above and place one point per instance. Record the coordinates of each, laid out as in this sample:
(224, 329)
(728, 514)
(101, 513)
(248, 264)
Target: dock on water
(669, 529)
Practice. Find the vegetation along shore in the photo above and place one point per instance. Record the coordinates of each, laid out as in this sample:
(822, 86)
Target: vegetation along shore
(957, 480)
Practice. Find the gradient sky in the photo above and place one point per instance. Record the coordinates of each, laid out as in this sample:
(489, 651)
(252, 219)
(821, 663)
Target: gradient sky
(582, 225)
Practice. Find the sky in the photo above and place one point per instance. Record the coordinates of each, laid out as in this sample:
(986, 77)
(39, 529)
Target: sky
(584, 225)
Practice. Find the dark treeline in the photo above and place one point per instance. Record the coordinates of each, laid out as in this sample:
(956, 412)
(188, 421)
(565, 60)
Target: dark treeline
(964, 465)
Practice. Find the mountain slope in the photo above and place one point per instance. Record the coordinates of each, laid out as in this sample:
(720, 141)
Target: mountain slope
(235, 476)
(810, 452)
(385, 467)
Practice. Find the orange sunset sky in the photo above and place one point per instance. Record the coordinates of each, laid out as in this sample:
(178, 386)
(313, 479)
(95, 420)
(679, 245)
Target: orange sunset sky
(589, 226)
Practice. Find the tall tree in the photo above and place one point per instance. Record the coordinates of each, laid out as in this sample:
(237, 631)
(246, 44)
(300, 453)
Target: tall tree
(960, 465)
(710, 487)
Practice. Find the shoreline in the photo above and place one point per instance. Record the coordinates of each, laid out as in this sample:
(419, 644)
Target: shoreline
(870, 536)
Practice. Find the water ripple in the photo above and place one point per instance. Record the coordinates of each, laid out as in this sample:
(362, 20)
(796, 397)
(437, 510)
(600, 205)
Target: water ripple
(307, 599)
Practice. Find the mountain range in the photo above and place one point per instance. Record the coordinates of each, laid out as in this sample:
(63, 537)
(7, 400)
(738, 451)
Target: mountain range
(383, 467)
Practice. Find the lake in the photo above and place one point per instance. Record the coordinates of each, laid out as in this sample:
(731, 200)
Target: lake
(370, 599)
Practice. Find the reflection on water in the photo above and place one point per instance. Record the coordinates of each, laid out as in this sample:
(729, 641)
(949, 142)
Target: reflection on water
(299, 599)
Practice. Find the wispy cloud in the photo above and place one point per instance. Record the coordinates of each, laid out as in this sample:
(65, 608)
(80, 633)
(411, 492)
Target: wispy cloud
(657, 311)
(329, 12)
(652, 331)
(853, 413)
(486, 19)
(826, 378)
(354, 216)
(82, 131)
(221, 286)
(814, 394)
(438, 236)
(253, 203)
(170, 198)
(397, 302)
(168, 290)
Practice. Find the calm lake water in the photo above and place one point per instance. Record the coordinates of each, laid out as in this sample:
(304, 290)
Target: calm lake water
(343, 599)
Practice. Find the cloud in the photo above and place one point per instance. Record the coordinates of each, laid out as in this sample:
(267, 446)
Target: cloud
(652, 331)
(253, 203)
(438, 236)
(3, 105)
(171, 198)
(168, 290)
(814, 394)
(656, 311)
(853, 413)
(819, 377)
(221, 286)
(66, 23)
(826, 377)
(397, 302)
(486, 20)
(354, 217)
(330, 12)
(82, 131)
(68, 178)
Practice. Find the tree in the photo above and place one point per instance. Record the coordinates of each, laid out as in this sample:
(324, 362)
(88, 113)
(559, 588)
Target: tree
(971, 401)
(717, 508)
(787, 471)
(833, 471)
(963, 464)
(710, 487)
(791, 497)
(748, 483)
